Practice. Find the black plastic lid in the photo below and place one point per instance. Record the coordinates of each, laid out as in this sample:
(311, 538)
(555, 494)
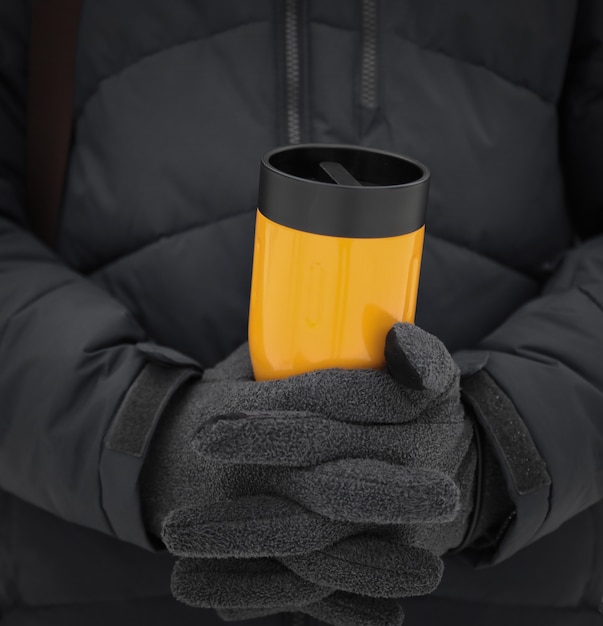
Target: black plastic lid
(343, 191)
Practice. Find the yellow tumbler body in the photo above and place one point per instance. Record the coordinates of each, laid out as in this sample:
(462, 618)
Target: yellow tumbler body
(320, 301)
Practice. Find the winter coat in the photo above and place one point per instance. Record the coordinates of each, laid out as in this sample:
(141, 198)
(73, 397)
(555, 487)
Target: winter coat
(175, 102)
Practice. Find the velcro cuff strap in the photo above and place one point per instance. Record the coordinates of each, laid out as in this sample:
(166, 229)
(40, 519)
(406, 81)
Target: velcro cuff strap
(126, 443)
(144, 403)
(507, 431)
(528, 480)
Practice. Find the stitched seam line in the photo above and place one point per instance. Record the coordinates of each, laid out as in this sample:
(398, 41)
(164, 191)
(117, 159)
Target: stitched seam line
(40, 296)
(516, 270)
(589, 296)
(480, 66)
(180, 44)
(161, 239)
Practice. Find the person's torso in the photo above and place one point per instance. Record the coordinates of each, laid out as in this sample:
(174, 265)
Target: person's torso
(175, 105)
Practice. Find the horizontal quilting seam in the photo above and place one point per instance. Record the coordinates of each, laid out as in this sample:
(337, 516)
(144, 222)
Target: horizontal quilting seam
(499, 263)
(163, 237)
(40, 296)
(585, 292)
(480, 66)
(194, 227)
(149, 55)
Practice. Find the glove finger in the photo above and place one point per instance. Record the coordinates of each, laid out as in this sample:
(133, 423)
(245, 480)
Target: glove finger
(370, 565)
(347, 395)
(250, 527)
(439, 538)
(419, 360)
(293, 438)
(368, 491)
(237, 366)
(346, 609)
(298, 439)
(241, 583)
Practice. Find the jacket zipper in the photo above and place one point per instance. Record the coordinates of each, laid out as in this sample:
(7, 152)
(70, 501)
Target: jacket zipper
(293, 71)
(293, 99)
(368, 93)
(369, 70)
(369, 63)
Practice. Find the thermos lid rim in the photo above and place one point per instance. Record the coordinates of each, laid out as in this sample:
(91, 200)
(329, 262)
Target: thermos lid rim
(343, 190)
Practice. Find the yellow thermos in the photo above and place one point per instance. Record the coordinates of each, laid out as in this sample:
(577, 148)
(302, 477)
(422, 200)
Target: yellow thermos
(338, 244)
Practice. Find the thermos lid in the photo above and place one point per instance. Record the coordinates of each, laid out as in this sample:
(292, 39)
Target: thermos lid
(343, 191)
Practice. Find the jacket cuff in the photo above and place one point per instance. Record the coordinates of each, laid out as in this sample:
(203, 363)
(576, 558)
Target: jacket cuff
(526, 476)
(126, 444)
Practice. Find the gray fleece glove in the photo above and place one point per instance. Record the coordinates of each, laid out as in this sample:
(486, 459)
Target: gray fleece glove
(331, 492)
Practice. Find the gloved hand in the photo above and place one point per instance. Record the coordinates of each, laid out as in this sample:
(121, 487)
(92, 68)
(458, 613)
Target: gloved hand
(303, 492)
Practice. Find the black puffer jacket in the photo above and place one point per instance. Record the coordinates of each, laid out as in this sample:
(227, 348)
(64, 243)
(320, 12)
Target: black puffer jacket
(175, 103)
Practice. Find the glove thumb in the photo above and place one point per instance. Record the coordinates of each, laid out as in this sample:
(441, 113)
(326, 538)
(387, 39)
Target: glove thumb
(419, 360)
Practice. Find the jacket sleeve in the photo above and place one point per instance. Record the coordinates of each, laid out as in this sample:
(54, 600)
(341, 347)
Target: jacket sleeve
(69, 353)
(547, 358)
